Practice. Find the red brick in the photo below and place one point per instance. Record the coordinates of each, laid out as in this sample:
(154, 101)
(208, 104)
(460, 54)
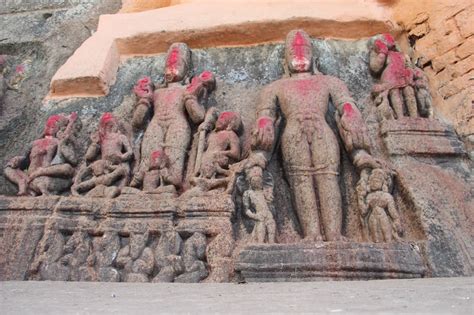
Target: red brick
(462, 67)
(439, 63)
(465, 21)
(451, 39)
(466, 49)
(457, 85)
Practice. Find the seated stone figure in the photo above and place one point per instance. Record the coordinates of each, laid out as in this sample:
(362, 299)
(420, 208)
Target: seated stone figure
(109, 156)
(379, 215)
(48, 166)
(155, 180)
(217, 152)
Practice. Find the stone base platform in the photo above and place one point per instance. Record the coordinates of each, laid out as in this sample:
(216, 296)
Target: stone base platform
(330, 261)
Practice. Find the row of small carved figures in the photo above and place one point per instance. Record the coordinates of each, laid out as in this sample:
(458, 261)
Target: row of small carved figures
(48, 168)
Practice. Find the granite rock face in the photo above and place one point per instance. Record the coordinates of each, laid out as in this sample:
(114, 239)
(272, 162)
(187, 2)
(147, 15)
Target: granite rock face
(209, 228)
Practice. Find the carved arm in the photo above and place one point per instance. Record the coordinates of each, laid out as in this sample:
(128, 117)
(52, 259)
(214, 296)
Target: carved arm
(264, 134)
(144, 92)
(200, 85)
(378, 56)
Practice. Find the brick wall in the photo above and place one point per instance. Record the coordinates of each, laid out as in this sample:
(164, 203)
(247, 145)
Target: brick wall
(441, 34)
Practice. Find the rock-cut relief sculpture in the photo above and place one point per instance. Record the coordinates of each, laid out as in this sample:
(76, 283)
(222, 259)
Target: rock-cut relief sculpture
(402, 88)
(169, 106)
(258, 199)
(217, 146)
(310, 150)
(378, 212)
(156, 178)
(107, 166)
(48, 166)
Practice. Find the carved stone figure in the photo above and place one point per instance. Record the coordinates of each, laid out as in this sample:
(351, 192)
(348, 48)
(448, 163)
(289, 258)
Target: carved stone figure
(379, 215)
(155, 180)
(423, 95)
(217, 152)
(194, 251)
(402, 89)
(167, 257)
(109, 156)
(48, 166)
(310, 149)
(136, 259)
(259, 200)
(169, 105)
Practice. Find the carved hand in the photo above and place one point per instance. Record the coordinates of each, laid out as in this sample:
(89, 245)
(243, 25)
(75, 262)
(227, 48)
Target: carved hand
(265, 133)
(144, 88)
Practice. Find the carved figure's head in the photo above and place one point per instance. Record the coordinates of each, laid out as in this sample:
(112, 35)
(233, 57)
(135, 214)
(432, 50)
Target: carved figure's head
(158, 160)
(228, 121)
(255, 177)
(298, 51)
(54, 124)
(377, 180)
(107, 124)
(178, 61)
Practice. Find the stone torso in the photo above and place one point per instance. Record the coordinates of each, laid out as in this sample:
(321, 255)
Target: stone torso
(169, 105)
(42, 152)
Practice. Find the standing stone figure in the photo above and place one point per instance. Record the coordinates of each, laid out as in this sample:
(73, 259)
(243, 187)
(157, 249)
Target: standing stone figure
(109, 156)
(170, 106)
(379, 215)
(48, 166)
(259, 199)
(309, 146)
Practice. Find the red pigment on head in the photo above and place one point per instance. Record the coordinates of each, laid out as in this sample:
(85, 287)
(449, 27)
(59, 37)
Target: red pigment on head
(297, 45)
(20, 69)
(206, 75)
(173, 58)
(264, 122)
(52, 121)
(106, 117)
(389, 39)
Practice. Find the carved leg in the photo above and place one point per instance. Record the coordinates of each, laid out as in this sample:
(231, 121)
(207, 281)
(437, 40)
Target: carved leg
(271, 230)
(298, 165)
(397, 102)
(331, 206)
(326, 161)
(373, 228)
(177, 141)
(410, 100)
(17, 177)
(386, 228)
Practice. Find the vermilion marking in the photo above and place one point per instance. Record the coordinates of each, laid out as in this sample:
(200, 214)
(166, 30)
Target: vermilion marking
(264, 122)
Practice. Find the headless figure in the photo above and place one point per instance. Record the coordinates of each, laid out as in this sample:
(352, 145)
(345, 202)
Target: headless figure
(396, 78)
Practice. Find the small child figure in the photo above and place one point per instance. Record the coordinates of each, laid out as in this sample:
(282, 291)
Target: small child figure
(259, 199)
(155, 180)
(378, 211)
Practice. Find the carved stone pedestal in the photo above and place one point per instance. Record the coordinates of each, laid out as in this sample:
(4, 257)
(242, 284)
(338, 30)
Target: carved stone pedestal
(129, 239)
(330, 261)
(420, 136)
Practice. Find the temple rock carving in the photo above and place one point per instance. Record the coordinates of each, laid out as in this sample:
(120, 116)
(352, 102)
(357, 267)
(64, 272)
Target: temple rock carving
(302, 182)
